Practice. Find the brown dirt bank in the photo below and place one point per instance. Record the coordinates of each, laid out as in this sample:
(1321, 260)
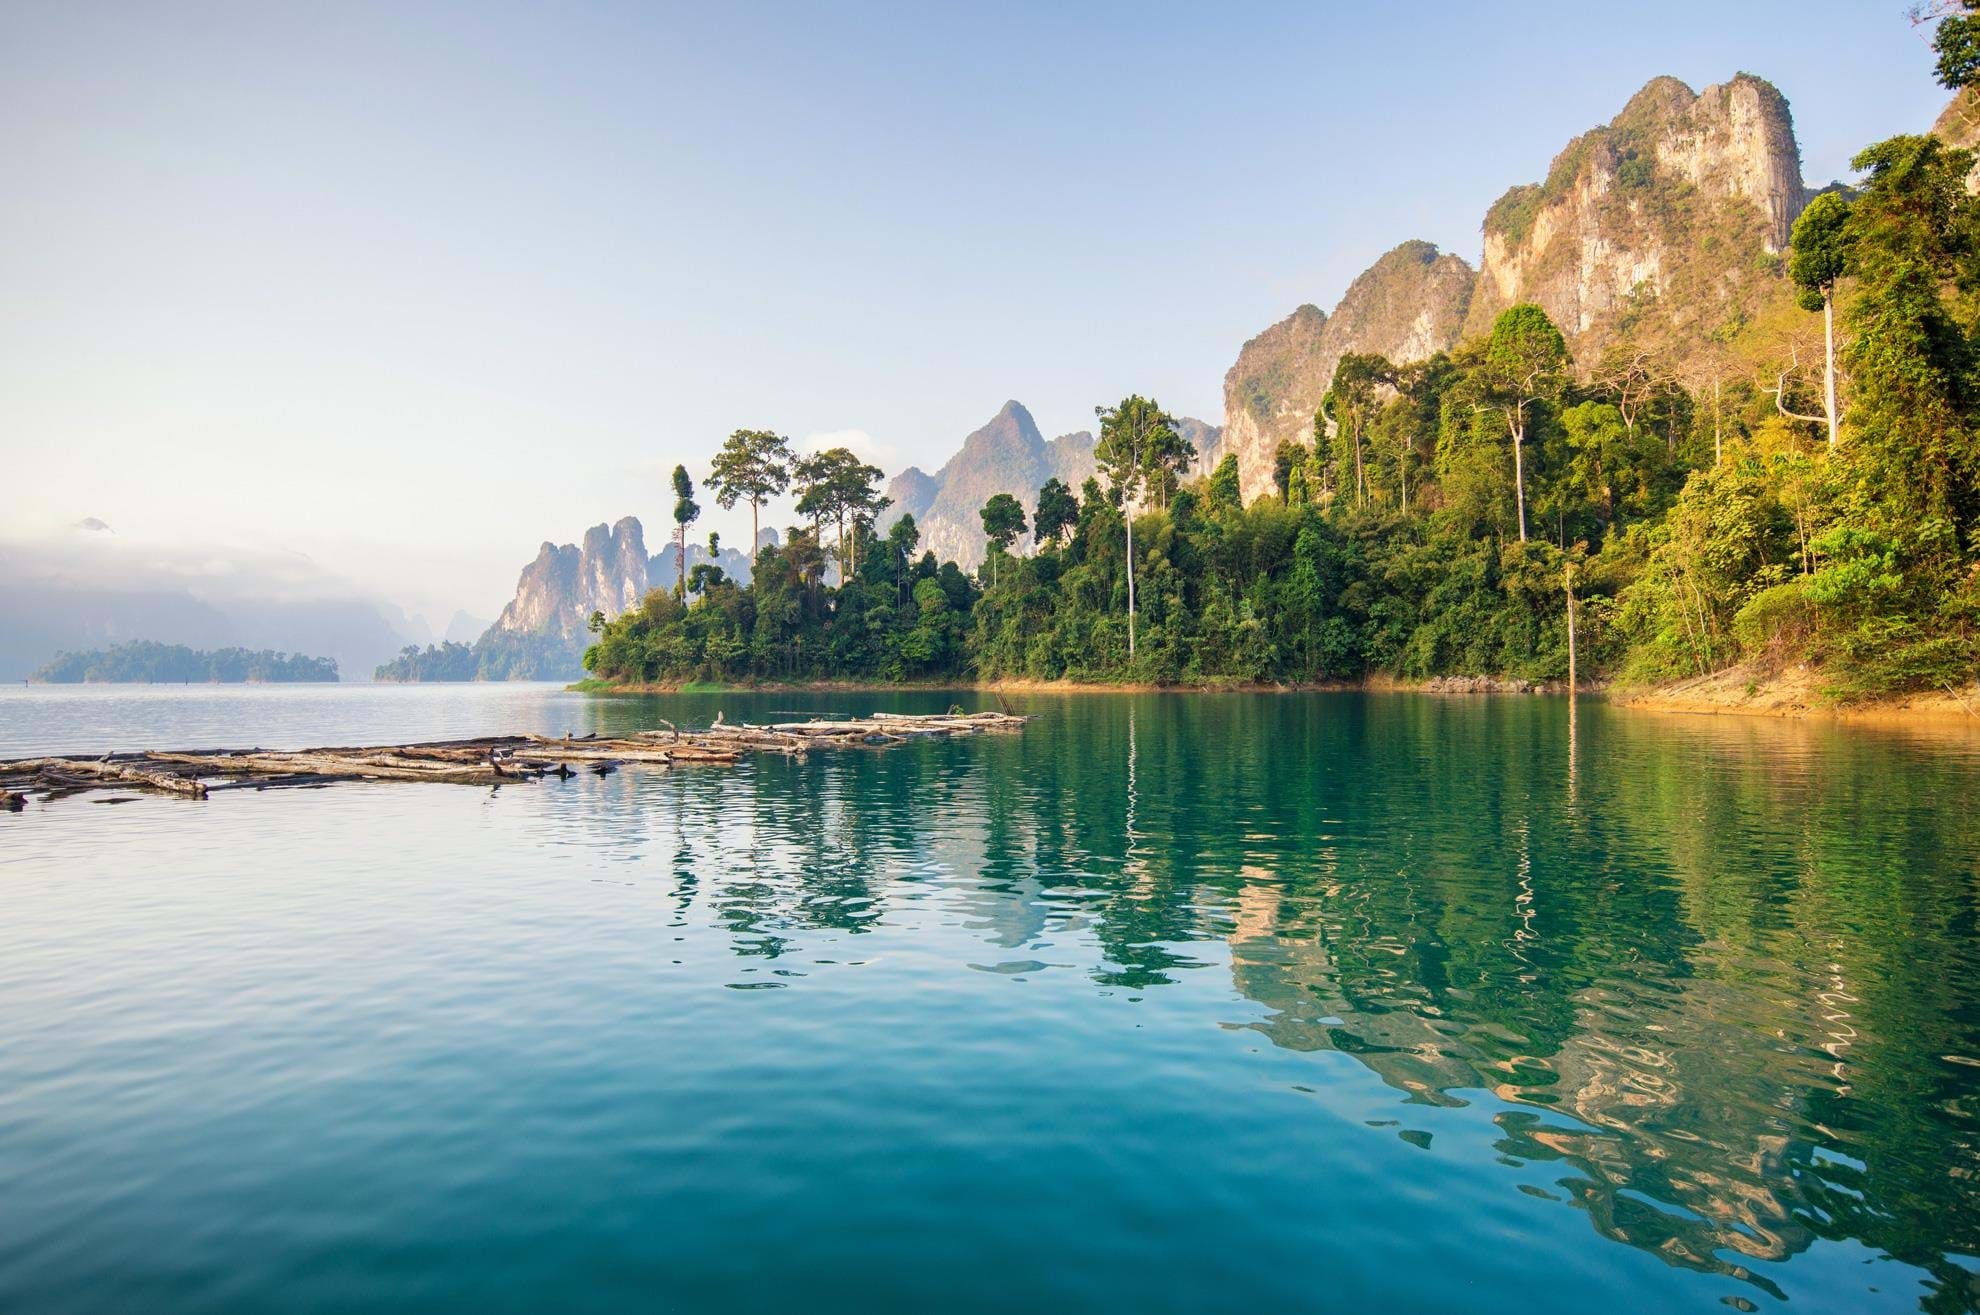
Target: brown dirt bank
(1796, 692)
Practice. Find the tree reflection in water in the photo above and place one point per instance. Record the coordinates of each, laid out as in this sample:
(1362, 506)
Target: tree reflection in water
(1718, 977)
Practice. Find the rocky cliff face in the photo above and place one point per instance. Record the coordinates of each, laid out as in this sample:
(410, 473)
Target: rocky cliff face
(1674, 214)
(1680, 200)
(1959, 125)
(1407, 306)
(558, 592)
(1007, 455)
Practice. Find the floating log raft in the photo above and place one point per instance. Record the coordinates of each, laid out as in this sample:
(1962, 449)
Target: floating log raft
(490, 760)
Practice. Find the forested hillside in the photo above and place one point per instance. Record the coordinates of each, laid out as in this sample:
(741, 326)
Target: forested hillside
(1813, 499)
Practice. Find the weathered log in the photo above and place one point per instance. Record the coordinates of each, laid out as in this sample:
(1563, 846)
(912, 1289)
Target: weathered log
(119, 773)
(489, 760)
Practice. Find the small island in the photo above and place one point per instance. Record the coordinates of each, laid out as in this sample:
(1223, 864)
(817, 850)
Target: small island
(143, 662)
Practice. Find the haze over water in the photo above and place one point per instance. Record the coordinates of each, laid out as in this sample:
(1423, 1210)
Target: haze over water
(1168, 1003)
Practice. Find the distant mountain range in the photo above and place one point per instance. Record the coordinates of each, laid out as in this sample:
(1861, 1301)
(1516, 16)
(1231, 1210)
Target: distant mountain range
(1006, 455)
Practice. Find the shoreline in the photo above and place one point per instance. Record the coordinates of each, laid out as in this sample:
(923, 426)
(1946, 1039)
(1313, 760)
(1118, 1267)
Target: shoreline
(1794, 695)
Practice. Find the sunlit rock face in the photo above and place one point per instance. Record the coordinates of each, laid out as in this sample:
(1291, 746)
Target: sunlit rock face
(1676, 201)
(1668, 222)
(558, 592)
(1408, 305)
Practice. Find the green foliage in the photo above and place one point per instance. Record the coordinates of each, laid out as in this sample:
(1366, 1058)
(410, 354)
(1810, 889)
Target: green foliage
(836, 485)
(1820, 249)
(1003, 520)
(1057, 511)
(1226, 493)
(448, 661)
(752, 466)
(1956, 43)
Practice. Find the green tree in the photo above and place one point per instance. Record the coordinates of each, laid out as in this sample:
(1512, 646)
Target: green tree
(1525, 365)
(1056, 512)
(1131, 434)
(1819, 261)
(1226, 491)
(686, 510)
(1352, 401)
(836, 485)
(1003, 522)
(1956, 40)
(1285, 460)
(753, 466)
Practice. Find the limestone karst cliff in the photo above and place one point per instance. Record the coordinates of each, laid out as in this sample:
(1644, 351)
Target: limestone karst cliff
(1408, 305)
(1670, 218)
(1681, 200)
(558, 592)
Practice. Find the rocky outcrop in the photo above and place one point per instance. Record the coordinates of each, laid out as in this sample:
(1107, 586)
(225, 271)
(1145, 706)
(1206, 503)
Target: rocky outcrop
(1207, 440)
(1674, 214)
(1007, 455)
(1959, 125)
(558, 592)
(1676, 206)
(1408, 305)
(663, 573)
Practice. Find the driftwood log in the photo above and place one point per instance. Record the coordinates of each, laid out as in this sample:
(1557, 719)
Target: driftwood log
(492, 760)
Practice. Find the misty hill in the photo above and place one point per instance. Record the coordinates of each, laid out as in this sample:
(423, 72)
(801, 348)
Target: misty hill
(86, 588)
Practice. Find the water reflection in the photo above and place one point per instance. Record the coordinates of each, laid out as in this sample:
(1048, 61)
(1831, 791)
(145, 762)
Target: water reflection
(1717, 978)
(1711, 982)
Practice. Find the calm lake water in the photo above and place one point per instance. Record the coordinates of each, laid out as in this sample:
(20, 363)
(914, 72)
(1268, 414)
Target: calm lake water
(1171, 1003)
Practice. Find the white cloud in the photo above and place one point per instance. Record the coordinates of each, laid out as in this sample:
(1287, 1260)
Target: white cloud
(861, 443)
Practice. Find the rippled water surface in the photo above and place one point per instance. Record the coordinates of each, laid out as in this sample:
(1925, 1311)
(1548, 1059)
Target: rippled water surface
(1328, 1002)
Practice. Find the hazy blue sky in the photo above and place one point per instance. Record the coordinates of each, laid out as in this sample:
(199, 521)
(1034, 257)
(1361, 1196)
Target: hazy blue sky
(409, 287)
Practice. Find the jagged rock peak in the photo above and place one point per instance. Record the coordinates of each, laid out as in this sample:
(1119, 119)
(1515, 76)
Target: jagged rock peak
(1626, 208)
(1408, 305)
(557, 593)
(1008, 454)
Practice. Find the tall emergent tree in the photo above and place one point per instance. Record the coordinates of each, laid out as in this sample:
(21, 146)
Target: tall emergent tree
(1003, 521)
(1352, 402)
(686, 510)
(1820, 259)
(1132, 435)
(754, 465)
(836, 485)
(1526, 364)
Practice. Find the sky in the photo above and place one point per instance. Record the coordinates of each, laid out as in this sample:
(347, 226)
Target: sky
(408, 288)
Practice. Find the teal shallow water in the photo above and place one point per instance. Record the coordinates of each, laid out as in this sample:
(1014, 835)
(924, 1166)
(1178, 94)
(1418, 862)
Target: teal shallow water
(1324, 1003)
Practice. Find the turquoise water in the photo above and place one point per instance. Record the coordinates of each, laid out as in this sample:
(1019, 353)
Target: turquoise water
(1327, 1002)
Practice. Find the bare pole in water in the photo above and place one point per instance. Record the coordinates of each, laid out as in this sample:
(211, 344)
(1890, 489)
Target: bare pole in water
(1570, 624)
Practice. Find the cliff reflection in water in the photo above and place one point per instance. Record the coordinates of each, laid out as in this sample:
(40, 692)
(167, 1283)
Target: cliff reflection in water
(1717, 976)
